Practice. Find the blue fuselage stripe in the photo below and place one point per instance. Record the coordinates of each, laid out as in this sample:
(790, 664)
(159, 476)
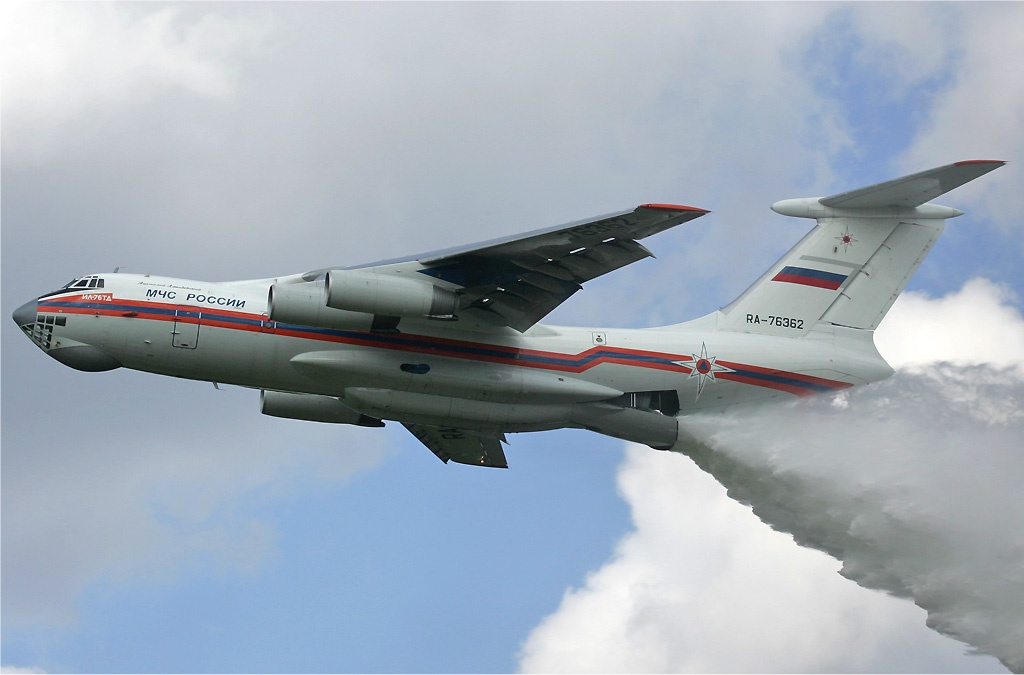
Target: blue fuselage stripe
(781, 379)
(457, 350)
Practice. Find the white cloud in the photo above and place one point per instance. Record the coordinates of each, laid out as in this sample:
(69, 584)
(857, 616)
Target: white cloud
(61, 58)
(979, 115)
(913, 483)
(124, 505)
(702, 586)
(465, 124)
(977, 324)
(907, 57)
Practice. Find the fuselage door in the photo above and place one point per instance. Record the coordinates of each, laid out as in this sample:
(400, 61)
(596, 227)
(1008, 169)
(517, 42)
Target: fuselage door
(186, 327)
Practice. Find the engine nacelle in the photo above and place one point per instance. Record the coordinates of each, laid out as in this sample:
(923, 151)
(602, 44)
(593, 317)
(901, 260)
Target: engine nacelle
(305, 305)
(640, 426)
(312, 408)
(387, 295)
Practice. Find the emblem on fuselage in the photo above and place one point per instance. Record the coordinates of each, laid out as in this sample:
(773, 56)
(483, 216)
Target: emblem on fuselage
(704, 367)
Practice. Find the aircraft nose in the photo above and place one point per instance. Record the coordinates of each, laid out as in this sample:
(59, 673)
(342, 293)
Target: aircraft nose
(25, 314)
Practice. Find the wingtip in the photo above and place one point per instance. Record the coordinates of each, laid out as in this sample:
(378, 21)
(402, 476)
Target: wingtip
(965, 162)
(674, 207)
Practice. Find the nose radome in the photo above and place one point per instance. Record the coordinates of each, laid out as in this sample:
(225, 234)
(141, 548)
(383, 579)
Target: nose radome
(25, 314)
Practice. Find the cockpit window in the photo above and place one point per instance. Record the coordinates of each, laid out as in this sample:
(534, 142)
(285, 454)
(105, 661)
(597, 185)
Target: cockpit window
(86, 282)
(91, 281)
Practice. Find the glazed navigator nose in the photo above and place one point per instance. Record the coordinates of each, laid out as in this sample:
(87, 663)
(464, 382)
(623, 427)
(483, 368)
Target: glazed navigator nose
(25, 314)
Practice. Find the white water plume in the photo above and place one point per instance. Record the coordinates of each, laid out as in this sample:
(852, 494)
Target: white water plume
(913, 484)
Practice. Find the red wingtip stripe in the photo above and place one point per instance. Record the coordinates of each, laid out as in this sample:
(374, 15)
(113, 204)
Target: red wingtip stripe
(673, 207)
(979, 161)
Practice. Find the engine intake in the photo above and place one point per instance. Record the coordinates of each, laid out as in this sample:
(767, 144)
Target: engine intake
(388, 295)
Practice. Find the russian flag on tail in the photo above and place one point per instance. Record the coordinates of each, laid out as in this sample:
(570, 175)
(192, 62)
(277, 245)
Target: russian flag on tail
(809, 277)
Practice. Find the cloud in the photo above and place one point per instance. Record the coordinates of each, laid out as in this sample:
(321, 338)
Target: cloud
(977, 324)
(702, 586)
(979, 114)
(63, 59)
(912, 483)
(251, 131)
(124, 505)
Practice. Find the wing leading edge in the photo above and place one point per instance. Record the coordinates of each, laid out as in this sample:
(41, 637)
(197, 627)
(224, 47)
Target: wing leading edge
(915, 189)
(518, 281)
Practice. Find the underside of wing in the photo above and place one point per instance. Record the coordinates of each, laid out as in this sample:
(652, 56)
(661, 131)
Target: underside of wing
(516, 282)
(915, 189)
(461, 446)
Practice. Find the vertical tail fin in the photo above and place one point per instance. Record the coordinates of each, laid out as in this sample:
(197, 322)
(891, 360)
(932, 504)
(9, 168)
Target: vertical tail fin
(851, 267)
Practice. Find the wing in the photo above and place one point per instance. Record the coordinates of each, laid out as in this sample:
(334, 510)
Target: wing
(915, 189)
(461, 446)
(519, 280)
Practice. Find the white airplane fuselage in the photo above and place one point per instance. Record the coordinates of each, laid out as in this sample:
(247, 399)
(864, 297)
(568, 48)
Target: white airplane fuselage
(448, 343)
(220, 332)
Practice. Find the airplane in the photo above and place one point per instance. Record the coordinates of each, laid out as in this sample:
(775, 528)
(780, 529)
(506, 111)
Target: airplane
(449, 345)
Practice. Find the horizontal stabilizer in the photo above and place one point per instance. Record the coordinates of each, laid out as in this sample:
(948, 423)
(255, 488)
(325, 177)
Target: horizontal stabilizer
(915, 189)
(849, 269)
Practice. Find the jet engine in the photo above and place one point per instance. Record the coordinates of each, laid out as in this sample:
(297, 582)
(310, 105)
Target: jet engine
(312, 408)
(639, 426)
(305, 304)
(388, 295)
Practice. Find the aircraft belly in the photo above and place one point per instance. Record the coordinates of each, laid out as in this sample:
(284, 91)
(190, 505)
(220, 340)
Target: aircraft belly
(411, 407)
(747, 368)
(220, 356)
(438, 375)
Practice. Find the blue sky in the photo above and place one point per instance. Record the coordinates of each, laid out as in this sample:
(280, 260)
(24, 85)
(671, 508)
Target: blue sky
(153, 524)
(412, 568)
